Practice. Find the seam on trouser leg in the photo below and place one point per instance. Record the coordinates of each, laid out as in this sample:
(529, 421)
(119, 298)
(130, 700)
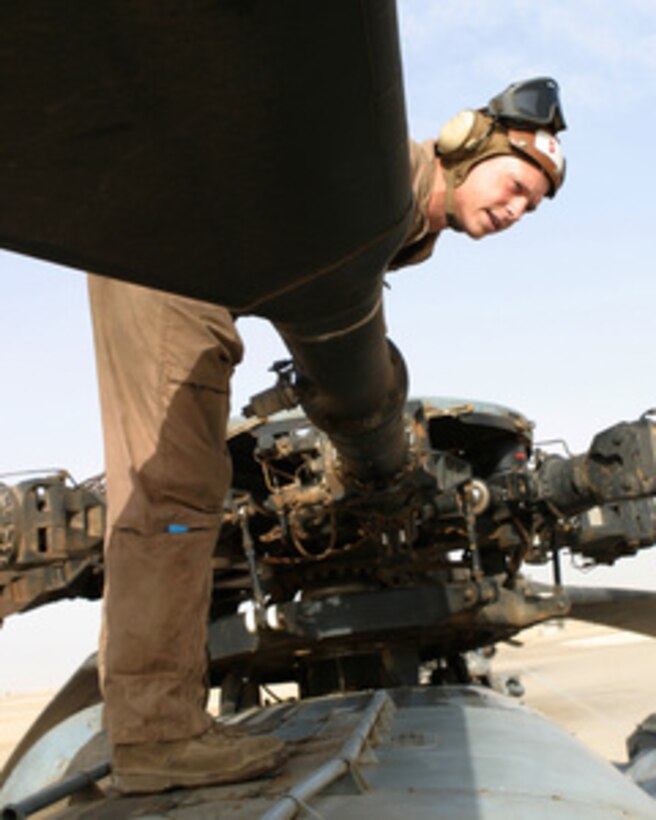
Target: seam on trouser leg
(154, 653)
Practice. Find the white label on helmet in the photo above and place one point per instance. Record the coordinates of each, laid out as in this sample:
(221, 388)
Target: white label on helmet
(548, 145)
(595, 517)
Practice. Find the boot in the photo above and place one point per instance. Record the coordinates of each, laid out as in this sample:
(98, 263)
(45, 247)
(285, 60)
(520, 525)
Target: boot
(220, 755)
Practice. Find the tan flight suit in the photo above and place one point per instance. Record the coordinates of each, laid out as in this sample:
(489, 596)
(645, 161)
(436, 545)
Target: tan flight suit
(164, 365)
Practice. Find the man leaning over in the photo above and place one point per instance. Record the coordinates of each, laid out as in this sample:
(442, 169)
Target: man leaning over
(164, 365)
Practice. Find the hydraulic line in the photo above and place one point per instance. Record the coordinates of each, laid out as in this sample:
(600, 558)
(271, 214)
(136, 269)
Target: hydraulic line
(289, 805)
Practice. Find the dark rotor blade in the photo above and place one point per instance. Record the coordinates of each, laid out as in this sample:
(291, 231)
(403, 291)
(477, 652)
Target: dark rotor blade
(631, 609)
(230, 151)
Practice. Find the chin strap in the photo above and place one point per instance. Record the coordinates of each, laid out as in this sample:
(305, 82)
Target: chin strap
(450, 200)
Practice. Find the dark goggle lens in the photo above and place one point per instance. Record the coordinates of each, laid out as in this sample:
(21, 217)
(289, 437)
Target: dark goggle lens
(537, 100)
(534, 101)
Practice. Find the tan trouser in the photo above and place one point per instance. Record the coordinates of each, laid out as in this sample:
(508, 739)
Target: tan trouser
(164, 366)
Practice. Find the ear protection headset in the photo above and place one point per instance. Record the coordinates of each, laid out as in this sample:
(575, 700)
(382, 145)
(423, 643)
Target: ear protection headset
(463, 133)
(457, 146)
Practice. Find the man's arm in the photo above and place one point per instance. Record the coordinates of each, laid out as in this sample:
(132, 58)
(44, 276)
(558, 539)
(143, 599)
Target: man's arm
(420, 241)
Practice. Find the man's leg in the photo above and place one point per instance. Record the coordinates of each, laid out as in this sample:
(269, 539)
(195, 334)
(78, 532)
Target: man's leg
(164, 365)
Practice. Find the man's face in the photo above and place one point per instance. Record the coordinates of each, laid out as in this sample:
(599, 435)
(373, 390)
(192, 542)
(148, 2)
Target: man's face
(497, 193)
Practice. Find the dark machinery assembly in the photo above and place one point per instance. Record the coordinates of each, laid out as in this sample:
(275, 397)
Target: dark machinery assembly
(341, 583)
(354, 584)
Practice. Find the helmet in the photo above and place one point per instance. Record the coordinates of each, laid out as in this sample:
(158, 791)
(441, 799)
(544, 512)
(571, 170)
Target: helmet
(472, 136)
(523, 120)
(543, 149)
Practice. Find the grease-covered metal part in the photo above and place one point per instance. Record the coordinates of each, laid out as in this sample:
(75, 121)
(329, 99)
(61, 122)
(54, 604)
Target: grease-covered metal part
(353, 386)
(51, 535)
(9, 523)
(345, 639)
(620, 465)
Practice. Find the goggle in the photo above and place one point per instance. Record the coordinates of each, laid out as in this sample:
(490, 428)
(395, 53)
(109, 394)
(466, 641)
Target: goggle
(532, 102)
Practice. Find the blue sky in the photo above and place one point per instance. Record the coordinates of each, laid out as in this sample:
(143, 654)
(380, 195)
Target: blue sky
(553, 318)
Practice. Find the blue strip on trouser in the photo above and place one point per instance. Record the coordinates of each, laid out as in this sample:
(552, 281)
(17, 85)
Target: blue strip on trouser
(177, 528)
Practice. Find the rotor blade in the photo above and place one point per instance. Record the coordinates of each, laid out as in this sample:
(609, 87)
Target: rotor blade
(227, 151)
(630, 609)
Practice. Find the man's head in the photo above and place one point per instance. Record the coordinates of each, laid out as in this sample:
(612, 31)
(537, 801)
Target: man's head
(499, 162)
